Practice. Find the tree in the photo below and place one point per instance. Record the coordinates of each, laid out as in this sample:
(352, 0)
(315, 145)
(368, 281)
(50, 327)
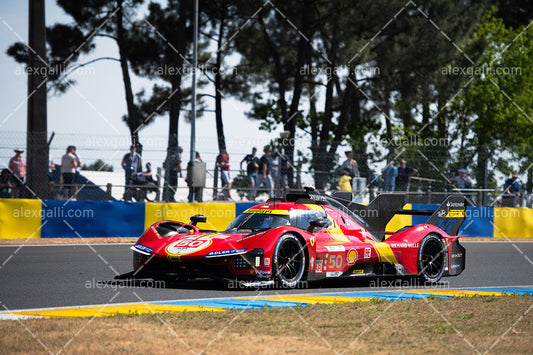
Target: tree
(66, 42)
(275, 45)
(413, 55)
(160, 48)
(498, 103)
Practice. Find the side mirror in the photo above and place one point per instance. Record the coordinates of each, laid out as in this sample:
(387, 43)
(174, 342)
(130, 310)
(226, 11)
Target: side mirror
(318, 223)
(198, 218)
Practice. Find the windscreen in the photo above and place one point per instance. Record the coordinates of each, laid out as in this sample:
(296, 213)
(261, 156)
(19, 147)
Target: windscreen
(253, 222)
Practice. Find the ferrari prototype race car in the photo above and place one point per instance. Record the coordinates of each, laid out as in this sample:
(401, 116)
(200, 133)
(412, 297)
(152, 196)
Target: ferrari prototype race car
(306, 236)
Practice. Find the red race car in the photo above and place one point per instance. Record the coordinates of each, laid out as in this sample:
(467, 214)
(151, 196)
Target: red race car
(306, 236)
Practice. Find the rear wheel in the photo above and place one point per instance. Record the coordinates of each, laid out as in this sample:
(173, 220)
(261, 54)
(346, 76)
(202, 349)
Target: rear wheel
(288, 260)
(431, 259)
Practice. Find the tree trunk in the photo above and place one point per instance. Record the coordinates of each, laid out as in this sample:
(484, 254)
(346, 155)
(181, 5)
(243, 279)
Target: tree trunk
(36, 137)
(304, 50)
(218, 88)
(132, 120)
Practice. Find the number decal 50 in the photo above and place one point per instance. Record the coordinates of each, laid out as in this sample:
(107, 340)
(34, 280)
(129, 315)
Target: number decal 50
(334, 262)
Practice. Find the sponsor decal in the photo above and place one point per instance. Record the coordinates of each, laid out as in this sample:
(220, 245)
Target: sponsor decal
(404, 245)
(319, 264)
(335, 248)
(267, 211)
(187, 246)
(225, 252)
(368, 252)
(352, 256)
(456, 214)
(455, 204)
(267, 261)
(457, 255)
(311, 262)
(333, 274)
(358, 271)
(312, 241)
(143, 248)
(317, 198)
(441, 213)
(263, 272)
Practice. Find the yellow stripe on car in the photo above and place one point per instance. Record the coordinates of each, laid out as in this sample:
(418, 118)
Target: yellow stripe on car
(385, 253)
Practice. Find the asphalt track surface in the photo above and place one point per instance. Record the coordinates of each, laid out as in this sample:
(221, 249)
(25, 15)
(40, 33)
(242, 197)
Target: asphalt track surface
(71, 275)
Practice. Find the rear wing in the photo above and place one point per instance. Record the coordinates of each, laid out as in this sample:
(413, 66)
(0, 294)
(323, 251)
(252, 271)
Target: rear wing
(449, 216)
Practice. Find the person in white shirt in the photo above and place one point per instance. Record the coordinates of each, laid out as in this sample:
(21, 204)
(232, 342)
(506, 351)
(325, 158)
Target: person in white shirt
(69, 163)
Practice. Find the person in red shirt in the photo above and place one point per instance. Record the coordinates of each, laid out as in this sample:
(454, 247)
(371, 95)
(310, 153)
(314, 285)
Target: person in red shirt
(17, 165)
(224, 165)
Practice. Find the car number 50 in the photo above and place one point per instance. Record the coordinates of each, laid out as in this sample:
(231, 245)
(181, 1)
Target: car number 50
(334, 262)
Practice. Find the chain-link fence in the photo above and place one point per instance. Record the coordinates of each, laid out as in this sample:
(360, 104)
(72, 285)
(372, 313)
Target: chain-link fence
(425, 174)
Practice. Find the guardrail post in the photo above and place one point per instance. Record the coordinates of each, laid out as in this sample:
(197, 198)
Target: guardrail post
(429, 194)
(51, 190)
(158, 183)
(108, 193)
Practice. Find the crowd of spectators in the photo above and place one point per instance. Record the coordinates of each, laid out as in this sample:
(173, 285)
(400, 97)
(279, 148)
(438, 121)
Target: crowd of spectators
(271, 173)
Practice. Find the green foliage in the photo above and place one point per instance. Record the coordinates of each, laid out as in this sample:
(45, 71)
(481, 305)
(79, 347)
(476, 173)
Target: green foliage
(498, 104)
(367, 75)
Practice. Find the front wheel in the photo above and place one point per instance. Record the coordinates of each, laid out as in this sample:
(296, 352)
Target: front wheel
(288, 260)
(431, 259)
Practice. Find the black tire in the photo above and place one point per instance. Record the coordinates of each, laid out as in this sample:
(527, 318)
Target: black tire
(431, 260)
(288, 261)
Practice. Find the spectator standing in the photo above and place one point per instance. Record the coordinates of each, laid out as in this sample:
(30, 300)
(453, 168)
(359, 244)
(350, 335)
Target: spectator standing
(17, 165)
(462, 180)
(252, 168)
(403, 179)
(265, 173)
(350, 165)
(131, 163)
(68, 170)
(224, 165)
(172, 166)
(511, 191)
(389, 177)
(511, 186)
(6, 186)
